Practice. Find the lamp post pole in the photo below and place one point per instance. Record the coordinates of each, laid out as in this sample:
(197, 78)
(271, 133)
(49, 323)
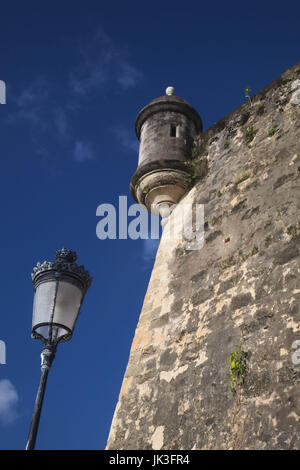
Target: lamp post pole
(47, 356)
(59, 290)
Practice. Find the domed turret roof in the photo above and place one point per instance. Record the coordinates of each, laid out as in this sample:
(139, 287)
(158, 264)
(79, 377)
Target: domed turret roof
(168, 102)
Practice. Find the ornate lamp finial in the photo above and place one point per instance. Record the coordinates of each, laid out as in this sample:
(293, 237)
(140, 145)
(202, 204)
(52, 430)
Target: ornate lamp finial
(66, 255)
(64, 265)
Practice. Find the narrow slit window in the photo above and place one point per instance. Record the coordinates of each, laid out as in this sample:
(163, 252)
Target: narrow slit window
(173, 130)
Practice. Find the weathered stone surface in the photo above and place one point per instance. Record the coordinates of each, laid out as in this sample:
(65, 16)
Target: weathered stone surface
(201, 304)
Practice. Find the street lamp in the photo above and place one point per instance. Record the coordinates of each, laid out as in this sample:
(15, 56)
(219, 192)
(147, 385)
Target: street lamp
(59, 290)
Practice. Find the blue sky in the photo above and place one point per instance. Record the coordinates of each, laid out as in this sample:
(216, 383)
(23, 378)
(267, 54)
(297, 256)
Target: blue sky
(77, 73)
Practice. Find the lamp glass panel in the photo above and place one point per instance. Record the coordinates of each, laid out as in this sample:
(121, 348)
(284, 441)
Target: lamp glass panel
(43, 302)
(67, 304)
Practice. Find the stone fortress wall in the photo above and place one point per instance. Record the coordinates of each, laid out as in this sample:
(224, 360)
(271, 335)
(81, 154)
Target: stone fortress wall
(242, 288)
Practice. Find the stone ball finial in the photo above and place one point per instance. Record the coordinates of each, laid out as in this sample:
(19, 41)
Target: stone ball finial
(170, 91)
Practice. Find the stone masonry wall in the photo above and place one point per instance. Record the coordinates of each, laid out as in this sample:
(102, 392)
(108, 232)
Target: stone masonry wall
(242, 288)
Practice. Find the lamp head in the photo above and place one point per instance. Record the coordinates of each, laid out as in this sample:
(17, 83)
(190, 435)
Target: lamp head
(59, 290)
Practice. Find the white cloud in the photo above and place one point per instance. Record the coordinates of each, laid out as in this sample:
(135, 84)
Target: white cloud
(8, 402)
(48, 109)
(62, 124)
(102, 63)
(32, 108)
(128, 76)
(127, 139)
(83, 152)
(34, 94)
